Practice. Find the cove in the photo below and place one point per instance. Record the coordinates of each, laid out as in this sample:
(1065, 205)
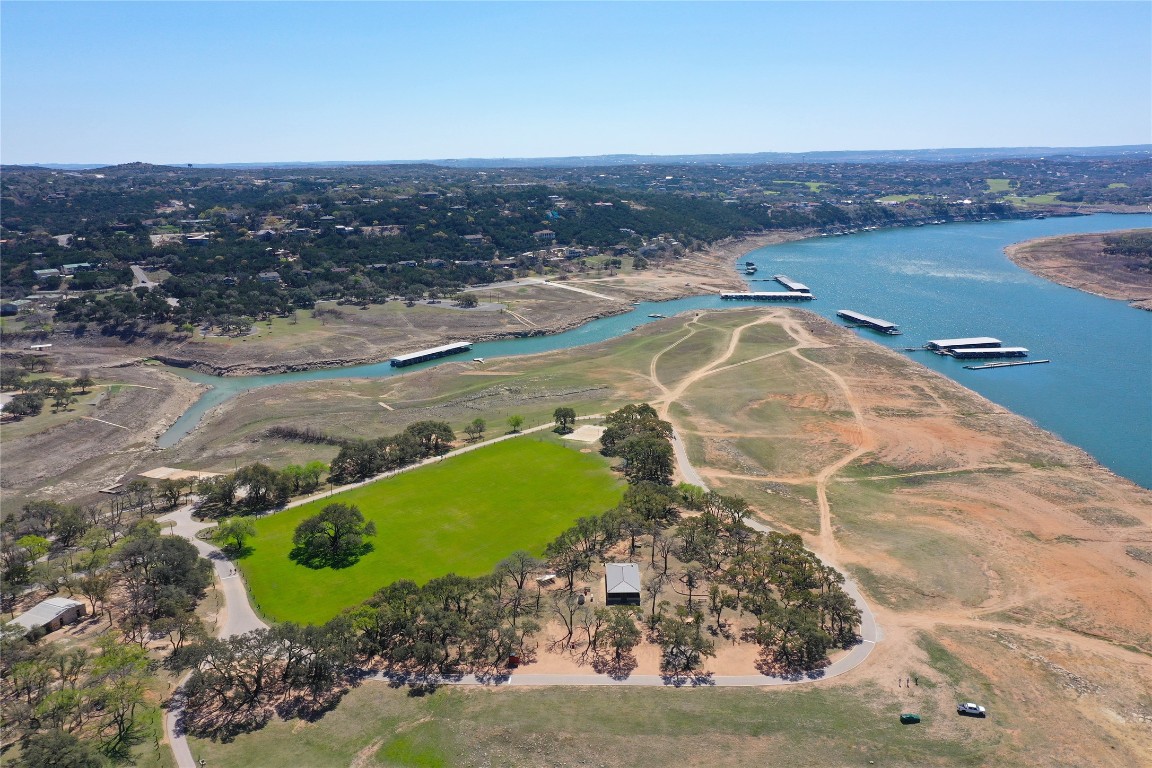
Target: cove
(942, 281)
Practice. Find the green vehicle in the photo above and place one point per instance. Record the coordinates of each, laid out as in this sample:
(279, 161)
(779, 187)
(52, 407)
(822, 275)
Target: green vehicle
(909, 719)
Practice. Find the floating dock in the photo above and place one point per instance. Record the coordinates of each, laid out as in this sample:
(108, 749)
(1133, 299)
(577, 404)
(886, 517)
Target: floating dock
(874, 323)
(768, 296)
(973, 353)
(791, 284)
(430, 354)
(1004, 365)
(944, 345)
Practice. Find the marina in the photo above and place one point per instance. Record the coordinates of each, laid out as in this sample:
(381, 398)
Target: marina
(768, 296)
(430, 354)
(1098, 402)
(874, 323)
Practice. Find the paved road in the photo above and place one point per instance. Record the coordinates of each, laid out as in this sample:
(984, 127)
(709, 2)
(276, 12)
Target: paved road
(236, 618)
(142, 280)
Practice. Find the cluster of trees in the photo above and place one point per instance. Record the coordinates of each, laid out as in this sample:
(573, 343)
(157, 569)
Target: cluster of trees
(145, 585)
(73, 707)
(256, 488)
(419, 440)
(30, 402)
(636, 434)
(1136, 246)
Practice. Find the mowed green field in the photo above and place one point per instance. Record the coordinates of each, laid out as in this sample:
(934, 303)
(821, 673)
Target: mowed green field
(460, 516)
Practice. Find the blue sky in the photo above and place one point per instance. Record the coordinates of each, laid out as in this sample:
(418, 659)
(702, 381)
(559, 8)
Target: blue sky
(267, 81)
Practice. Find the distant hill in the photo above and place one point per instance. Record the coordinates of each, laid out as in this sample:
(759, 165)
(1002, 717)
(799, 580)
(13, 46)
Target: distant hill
(954, 155)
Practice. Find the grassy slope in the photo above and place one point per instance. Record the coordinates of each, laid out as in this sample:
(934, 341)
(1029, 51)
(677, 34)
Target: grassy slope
(847, 725)
(461, 516)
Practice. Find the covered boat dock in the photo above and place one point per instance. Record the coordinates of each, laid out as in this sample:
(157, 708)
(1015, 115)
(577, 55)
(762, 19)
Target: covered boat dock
(871, 322)
(976, 342)
(791, 284)
(430, 354)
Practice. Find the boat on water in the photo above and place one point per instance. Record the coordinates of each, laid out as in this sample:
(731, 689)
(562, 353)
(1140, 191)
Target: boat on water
(477, 359)
(655, 315)
(749, 270)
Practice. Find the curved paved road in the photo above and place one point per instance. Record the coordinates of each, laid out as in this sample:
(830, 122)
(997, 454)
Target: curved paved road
(236, 618)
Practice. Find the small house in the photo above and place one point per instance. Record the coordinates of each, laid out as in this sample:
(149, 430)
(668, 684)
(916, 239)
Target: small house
(51, 614)
(621, 584)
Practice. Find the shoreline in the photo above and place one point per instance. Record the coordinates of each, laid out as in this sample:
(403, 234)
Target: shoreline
(1068, 260)
(713, 263)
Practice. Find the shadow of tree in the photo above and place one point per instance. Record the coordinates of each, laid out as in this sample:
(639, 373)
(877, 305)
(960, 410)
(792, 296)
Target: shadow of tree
(315, 558)
(617, 668)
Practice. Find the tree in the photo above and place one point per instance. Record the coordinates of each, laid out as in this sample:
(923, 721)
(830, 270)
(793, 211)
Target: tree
(475, 430)
(564, 418)
(334, 538)
(266, 487)
(647, 458)
(26, 404)
(84, 382)
(467, 300)
(231, 534)
(435, 437)
(620, 631)
(59, 749)
(515, 422)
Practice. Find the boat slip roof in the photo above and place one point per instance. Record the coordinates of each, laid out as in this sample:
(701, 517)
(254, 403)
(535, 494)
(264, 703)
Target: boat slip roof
(849, 314)
(975, 341)
(457, 346)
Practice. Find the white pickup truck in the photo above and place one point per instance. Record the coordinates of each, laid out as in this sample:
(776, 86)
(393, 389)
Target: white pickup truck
(970, 709)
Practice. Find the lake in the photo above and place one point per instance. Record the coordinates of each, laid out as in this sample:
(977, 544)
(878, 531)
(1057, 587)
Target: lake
(935, 282)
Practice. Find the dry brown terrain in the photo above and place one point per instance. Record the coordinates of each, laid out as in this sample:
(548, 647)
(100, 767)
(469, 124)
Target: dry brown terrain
(1079, 261)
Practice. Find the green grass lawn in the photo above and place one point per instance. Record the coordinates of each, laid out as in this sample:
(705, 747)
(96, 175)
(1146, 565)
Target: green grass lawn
(999, 185)
(460, 516)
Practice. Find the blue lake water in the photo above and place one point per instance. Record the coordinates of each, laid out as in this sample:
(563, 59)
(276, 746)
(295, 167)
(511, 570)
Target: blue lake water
(944, 281)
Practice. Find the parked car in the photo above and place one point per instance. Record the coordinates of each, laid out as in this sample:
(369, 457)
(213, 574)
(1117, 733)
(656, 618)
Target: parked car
(971, 710)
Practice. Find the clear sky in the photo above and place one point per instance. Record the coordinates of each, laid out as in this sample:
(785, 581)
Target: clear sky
(168, 82)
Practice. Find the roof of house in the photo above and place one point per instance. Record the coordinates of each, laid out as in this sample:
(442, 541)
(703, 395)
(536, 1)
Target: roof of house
(622, 577)
(44, 612)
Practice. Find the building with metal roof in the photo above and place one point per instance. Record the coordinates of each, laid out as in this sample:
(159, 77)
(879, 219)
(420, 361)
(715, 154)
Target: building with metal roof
(791, 284)
(430, 354)
(975, 341)
(51, 614)
(872, 322)
(621, 584)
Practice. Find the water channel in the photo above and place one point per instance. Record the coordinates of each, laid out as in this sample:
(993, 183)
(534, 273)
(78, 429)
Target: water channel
(943, 281)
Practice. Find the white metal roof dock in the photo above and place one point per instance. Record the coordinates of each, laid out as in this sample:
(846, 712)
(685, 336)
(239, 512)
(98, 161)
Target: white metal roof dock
(768, 296)
(791, 284)
(431, 354)
(975, 341)
(871, 322)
